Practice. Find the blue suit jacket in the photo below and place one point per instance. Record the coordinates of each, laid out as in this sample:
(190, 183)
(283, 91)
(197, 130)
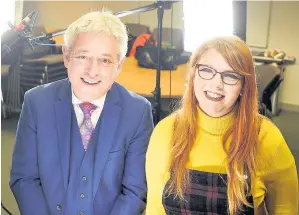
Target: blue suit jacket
(40, 164)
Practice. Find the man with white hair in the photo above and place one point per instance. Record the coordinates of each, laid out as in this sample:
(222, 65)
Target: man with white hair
(81, 142)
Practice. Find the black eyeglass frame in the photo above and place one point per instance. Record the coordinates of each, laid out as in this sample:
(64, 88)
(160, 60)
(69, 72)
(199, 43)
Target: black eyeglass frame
(239, 77)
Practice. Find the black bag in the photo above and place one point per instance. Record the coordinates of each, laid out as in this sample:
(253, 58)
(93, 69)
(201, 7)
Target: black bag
(147, 56)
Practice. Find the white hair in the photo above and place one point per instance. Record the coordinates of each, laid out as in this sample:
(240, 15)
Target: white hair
(98, 22)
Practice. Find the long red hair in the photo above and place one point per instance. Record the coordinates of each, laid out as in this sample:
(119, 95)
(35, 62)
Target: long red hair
(241, 151)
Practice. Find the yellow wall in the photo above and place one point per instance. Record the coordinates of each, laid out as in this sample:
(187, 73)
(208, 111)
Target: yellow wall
(55, 15)
(150, 18)
(273, 26)
(58, 14)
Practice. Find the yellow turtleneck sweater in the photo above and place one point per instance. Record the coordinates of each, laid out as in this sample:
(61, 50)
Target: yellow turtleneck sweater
(274, 186)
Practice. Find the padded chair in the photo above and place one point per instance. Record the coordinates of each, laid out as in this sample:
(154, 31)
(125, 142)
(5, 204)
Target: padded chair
(269, 78)
(268, 93)
(34, 72)
(10, 89)
(4, 77)
(40, 65)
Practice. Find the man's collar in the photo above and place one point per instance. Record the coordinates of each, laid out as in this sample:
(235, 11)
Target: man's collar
(99, 102)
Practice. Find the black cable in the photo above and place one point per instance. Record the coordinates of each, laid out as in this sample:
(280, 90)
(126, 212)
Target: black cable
(171, 44)
(5, 209)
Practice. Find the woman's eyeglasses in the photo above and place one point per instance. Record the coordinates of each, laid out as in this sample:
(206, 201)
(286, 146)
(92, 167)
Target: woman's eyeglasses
(208, 73)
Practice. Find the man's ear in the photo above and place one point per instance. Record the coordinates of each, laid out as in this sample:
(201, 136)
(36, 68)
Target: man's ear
(120, 65)
(66, 56)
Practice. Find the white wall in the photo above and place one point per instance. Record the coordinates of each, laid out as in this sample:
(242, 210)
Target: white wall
(273, 25)
(284, 34)
(19, 11)
(258, 19)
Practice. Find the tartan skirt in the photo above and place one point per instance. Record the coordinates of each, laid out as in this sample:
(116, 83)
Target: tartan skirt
(207, 195)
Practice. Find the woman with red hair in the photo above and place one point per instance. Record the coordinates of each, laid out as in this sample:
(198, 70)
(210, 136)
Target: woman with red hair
(216, 154)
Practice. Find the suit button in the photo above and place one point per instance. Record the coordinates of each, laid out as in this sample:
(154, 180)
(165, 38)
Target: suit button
(84, 178)
(82, 195)
(81, 213)
(59, 207)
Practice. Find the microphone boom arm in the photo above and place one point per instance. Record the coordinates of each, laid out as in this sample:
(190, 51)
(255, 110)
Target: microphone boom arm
(118, 14)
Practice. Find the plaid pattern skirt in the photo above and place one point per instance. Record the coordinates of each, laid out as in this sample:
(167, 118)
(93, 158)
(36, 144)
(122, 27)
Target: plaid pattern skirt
(207, 195)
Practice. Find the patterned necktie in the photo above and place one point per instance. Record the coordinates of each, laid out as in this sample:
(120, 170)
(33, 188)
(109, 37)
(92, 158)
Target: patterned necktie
(86, 128)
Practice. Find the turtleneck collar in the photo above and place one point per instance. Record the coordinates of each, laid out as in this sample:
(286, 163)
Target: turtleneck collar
(215, 125)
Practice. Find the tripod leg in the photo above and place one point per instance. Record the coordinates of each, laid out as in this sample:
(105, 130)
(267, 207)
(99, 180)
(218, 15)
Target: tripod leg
(5, 209)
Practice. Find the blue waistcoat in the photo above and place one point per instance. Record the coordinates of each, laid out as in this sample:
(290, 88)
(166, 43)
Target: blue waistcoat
(79, 192)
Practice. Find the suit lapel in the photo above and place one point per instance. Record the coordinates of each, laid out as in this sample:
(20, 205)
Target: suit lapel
(63, 110)
(108, 124)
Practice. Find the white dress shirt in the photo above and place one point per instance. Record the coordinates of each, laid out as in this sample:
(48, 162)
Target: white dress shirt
(95, 114)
